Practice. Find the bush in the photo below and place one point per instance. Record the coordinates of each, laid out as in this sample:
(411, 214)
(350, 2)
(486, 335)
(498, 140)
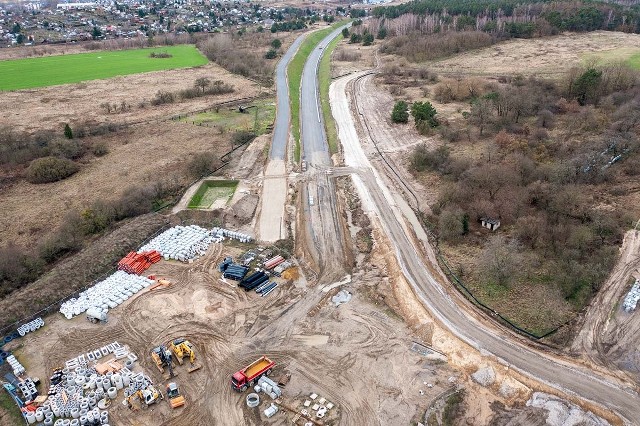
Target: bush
(203, 165)
(160, 55)
(271, 54)
(422, 159)
(240, 138)
(50, 169)
(400, 113)
(67, 148)
(163, 97)
(346, 55)
(99, 149)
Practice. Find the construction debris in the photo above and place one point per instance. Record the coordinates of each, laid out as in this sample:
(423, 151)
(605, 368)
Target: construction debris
(342, 297)
(484, 376)
(632, 298)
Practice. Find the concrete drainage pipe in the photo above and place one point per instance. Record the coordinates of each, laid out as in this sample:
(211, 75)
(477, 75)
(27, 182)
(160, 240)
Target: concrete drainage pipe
(253, 400)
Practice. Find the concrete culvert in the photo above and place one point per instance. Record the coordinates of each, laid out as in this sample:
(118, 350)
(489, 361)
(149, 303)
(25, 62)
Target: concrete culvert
(253, 400)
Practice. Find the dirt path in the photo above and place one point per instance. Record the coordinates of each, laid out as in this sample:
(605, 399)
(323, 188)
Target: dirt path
(594, 340)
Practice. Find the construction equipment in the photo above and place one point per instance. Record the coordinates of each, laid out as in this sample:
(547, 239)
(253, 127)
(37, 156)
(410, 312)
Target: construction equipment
(249, 375)
(147, 396)
(182, 348)
(162, 357)
(173, 394)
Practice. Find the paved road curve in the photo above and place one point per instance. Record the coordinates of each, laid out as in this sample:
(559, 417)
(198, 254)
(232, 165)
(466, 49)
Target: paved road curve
(571, 379)
(283, 111)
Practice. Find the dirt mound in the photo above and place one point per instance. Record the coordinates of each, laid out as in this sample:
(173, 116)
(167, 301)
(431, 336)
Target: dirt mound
(242, 211)
(78, 271)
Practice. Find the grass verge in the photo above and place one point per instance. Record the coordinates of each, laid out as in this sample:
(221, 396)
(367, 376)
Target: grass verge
(294, 75)
(63, 69)
(11, 411)
(324, 76)
(212, 190)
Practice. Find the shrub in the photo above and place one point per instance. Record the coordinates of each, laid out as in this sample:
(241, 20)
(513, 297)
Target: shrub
(240, 138)
(67, 148)
(400, 113)
(50, 169)
(271, 54)
(346, 55)
(163, 97)
(203, 164)
(160, 55)
(99, 149)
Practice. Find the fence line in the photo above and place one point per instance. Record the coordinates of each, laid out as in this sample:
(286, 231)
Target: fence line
(56, 305)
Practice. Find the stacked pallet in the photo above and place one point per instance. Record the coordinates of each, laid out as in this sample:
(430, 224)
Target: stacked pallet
(137, 263)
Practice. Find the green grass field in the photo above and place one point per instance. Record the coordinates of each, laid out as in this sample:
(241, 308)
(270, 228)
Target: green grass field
(62, 69)
(628, 55)
(211, 191)
(229, 119)
(294, 75)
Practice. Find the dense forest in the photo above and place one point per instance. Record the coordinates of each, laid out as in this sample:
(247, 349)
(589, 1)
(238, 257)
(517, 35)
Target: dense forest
(515, 18)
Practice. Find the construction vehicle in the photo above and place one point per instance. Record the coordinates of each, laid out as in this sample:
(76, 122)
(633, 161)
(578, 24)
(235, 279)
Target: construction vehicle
(147, 396)
(173, 394)
(182, 348)
(249, 375)
(162, 357)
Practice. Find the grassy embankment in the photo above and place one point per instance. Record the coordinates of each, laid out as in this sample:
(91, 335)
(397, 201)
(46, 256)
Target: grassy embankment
(63, 69)
(212, 190)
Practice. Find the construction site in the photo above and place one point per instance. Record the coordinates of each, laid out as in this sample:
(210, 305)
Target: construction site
(282, 292)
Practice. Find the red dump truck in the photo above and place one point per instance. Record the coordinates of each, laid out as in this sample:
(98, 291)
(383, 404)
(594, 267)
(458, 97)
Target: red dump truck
(249, 375)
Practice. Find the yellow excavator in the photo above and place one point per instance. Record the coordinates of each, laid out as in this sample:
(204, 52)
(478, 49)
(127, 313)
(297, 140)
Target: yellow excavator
(182, 348)
(147, 396)
(162, 357)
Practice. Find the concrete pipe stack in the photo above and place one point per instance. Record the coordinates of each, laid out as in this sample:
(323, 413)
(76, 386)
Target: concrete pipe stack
(243, 238)
(106, 294)
(181, 243)
(30, 326)
(18, 369)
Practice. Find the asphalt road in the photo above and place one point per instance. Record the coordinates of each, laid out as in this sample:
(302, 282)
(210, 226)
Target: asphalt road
(561, 374)
(313, 136)
(283, 111)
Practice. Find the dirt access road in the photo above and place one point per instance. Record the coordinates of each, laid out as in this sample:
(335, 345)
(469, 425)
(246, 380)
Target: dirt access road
(603, 337)
(558, 373)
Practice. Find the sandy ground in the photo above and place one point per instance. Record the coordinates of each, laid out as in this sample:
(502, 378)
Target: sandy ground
(52, 107)
(272, 226)
(357, 355)
(549, 56)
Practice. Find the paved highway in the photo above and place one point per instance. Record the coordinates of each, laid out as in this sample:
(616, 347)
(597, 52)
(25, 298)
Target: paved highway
(283, 114)
(560, 374)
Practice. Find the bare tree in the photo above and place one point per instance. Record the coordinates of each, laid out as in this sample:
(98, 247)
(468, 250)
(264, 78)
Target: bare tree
(202, 83)
(501, 259)
(481, 113)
